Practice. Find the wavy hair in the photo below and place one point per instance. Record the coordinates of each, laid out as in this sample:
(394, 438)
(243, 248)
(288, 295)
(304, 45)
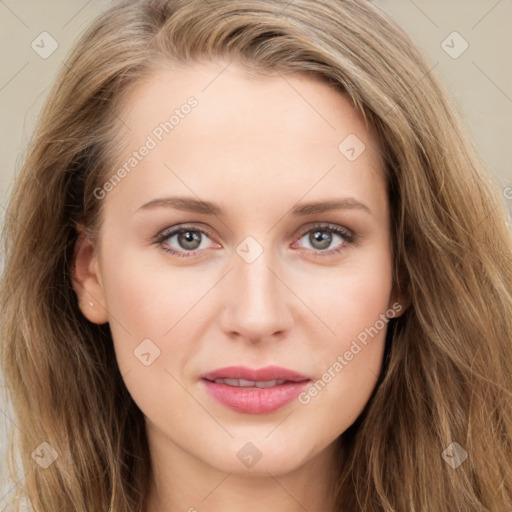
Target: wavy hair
(448, 368)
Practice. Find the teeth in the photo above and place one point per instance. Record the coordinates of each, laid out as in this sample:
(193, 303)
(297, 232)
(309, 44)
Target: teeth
(242, 383)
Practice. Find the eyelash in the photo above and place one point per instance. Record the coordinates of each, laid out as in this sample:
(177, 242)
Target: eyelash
(349, 238)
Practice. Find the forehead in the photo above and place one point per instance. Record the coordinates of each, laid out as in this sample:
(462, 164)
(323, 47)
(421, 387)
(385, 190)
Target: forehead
(211, 128)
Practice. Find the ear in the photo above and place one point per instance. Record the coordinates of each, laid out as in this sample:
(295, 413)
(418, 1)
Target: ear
(399, 300)
(86, 280)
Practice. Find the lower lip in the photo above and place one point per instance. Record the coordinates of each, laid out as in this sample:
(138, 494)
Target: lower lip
(254, 400)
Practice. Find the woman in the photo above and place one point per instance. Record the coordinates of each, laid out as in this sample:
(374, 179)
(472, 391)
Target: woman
(252, 261)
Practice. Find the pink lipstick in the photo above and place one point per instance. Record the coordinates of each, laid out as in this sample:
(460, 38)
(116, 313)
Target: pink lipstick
(255, 391)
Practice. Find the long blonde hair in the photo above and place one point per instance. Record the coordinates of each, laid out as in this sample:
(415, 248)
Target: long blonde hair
(448, 369)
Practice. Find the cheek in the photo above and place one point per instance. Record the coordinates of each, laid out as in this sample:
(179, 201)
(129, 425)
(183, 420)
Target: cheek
(361, 302)
(147, 297)
(351, 298)
(147, 303)
(148, 309)
(349, 358)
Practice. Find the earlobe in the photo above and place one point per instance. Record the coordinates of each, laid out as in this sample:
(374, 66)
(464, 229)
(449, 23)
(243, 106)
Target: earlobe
(399, 301)
(398, 306)
(86, 280)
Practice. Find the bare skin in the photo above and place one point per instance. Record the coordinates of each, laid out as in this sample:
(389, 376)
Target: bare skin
(256, 147)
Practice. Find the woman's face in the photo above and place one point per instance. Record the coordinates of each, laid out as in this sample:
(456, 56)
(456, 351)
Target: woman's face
(264, 274)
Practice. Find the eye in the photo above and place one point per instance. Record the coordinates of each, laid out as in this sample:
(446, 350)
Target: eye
(182, 240)
(322, 236)
(187, 241)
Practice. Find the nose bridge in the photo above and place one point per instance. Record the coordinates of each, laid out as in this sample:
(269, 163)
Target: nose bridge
(257, 305)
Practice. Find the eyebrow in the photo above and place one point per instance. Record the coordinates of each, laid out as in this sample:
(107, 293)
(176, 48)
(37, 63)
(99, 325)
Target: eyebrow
(189, 204)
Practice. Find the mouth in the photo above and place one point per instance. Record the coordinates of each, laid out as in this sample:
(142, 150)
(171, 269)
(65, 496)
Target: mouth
(264, 375)
(242, 383)
(258, 391)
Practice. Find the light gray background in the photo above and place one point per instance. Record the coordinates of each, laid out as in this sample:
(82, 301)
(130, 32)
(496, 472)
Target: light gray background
(480, 79)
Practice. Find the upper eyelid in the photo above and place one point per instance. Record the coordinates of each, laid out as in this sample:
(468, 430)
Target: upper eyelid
(171, 231)
(328, 226)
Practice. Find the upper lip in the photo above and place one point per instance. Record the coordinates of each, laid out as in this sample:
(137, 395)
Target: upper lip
(267, 373)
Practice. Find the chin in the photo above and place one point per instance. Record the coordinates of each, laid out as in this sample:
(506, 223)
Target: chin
(259, 457)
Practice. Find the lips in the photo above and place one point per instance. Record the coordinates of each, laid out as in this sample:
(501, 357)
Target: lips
(256, 391)
(268, 373)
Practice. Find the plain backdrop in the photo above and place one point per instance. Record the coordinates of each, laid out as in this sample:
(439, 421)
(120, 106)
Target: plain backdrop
(469, 43)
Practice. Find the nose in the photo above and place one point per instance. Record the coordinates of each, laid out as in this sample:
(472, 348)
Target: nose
(258, 305)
